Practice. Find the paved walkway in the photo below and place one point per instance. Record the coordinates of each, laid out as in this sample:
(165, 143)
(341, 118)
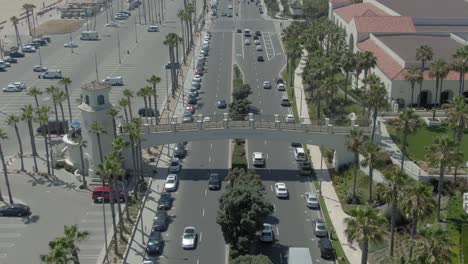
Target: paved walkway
(337, 215)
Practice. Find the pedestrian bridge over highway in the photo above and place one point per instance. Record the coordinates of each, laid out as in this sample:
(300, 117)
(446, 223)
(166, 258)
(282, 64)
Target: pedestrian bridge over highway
(329, 133)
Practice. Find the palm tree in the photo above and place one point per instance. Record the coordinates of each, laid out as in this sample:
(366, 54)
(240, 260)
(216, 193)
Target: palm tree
(65, 81)
(369, 61)
(59, 252)
(52, 91)
(143, 92)
(418, 203)
(364, 226)
(12, 121)
(435, 246)
(370, 151)
(43, 119)
(407, 123)
(28, 115)
(396, 180)
(424, 53)
(130, 128)
(82, 144)
(439, 70)
(457, 118)
(60, 96)
(375, 99)
(293, 51)
(181, 16)
(359, 67)
(460, 64)
(154, 81)
(118, 145)
(171, 42)
(123, 102)
(3, 136)
(129, 94)
(189, 9)
(354, 141)
(442, 153)
(413, 75)
(35, 92)
(348, 64)
(136, 134)
(114, 112)
(14, 20)
(73, 235)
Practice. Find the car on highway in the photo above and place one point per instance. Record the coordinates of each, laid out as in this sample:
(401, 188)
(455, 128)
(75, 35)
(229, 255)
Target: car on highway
(125, 13)
(257, 159)
(155, 244)
(11, 88)
(279, 80)
(112, 24)
(187, 117)
(10, 59)
(281, 87)
(266, 85)
(221, 104)
(281, 191)
(285, 101)
(239, 30)
(247, 41)
(189, 238)
(171, 183)
(15, 210)
(258, 48)
(260, 58)
(120, 17)
(179, 150)
(214, 181)
(160, 221)
(70, 44)
(320, 227)
(38, 68)
(267, 234)
(153, 28)
(229, 14)
(174, 165)
(311, 200)
(257, 41)
(114, 80)
(16, 54)
(165, 201)
(20, 85)
(305, 168)
(255, 37)
(289, 118)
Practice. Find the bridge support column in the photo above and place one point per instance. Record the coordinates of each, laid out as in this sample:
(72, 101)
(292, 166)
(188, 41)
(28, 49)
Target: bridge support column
(225, 120)
(199, 124)
(200, 117)
(277, 122)
(327, 121)
(173, 123)
(146, 127)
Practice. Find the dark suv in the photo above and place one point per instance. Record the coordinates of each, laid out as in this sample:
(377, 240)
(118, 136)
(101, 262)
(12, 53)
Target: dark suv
(155, 243)
(165, 201)
(160, 221)
(179, 150)
(214, 182)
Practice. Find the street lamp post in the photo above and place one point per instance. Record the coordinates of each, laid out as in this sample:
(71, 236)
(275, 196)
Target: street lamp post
(300, 106)
(136, 31)
(118, 46)
(40, 58)
(72, 51)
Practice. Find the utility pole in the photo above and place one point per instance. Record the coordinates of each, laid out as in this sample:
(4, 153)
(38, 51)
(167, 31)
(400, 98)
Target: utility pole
(71, 46)
(40, 57)
(118, 46)
(95, 62)
(1, 49)
(107, 11)
(136, 31)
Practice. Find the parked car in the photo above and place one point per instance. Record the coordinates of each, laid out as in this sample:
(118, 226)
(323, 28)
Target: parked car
(55, 127)
(38, 68)
(20, 85)
(171, 183)
(305, 168)
(320, 227)
(160, 221)
(103, 194)
(312, 200)
(187, 116)
(289, 118)
(179, 150)
(155, 244)
(257, 159)
(16, 54)
(165, 201)
(11, 88)
(15, 210)
(266, 85)
(326, 249)
(260, 58)
(148, 112)
(221, 104)
(10, 59)
(267, 234)
(70, 44)
(174, 165)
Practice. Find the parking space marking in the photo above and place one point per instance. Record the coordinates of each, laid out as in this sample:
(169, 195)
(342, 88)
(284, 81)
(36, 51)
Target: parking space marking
(6, 245)
(10, 235)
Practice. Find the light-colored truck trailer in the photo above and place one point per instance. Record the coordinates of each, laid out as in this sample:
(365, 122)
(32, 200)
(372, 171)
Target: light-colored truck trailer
(298, 255)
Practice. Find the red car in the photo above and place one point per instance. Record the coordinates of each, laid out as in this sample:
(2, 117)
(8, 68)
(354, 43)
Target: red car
(190, 108)
(199, 71)
(101, 194)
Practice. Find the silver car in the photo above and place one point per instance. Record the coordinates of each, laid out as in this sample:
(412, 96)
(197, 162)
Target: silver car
(189, 238)
(320, 228)
(312, 200)
(174, 166)
(187, 117)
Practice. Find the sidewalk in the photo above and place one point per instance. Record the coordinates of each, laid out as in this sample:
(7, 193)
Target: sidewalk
(337, 215)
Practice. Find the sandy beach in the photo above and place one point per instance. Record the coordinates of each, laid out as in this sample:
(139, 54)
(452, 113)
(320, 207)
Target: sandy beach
(14, 8)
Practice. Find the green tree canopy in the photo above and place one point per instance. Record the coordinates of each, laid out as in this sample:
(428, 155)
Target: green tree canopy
(250, 259)
(239, 109)
(242, 92)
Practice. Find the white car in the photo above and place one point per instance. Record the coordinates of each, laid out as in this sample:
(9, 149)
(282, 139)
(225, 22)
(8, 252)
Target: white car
(70, 44)
(171, 183)
(289, 118)
(281, 87)
(174, 166)
(259, 48)
(247, 41)
(20, 85)
(28, 48)
(206, 119)
(266, 85)
(257, 42)
(197, 78)
(112, 24)
(258, 159)
(189, 238)
(153, 29)
(7, 64)
(38, 68)
(12, 88)
(267, 233)
(311, 200)
(281, 191)
(206, 41)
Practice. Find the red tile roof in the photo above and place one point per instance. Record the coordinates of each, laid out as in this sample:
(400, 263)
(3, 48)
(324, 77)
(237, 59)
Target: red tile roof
(356, 10)
(384, 23)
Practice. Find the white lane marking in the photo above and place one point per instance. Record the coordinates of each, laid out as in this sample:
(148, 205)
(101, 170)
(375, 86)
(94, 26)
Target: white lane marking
(211, 146)
(6, 245)
(93, 213)
(3, 255)
(277, 230)
(10, 235)
(209, 159)
(201, 236)
(11, 225)
(274, 207)
(271, 187)
(95, 238)
(93, 228)
(242, 44)
(203, 212)
(265, 141)
(89, 256)
(267, 156)
(197, 261)
(93, 220)
(206, 192)
(271, 41)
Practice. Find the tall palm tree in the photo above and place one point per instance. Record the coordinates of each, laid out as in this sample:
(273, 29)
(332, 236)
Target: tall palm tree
(14, 20)
(42, 118)
(460, 64)
(189, 9)
(293, 51)
(359, 67)
(396, 180)
(129, 95)
(52, 91)
(59, 252)
(171, 42)
(117, 146)
(407, 123)
(123, 103)
(181, 15)
(27, 8)
(60, 97)
(457, 118)
(435, 246)
(154, 81)
(65, 81)
(72, 235)
(354, 142)
(348, 64)
(365, 225)
(12, 121)
(3, 136)
(35, 92)
(424, 54)
(369, 61)
(114, 112)
(136, 134)
(370, 151)
(413, 75)
(28, 115)
(442, 153)
(418, 203)
(130, 129)
(439, 70)
(143, 92)
(375, 100)
(82, 144)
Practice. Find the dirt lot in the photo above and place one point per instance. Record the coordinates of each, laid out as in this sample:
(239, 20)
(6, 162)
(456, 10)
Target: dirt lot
(58, 26)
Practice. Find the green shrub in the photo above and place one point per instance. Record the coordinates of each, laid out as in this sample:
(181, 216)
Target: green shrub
(69, 168)
(464, 243)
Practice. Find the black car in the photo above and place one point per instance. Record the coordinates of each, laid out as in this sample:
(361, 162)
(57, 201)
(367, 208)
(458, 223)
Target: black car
(160, 221)
(192, 101)
(326, 249)
(239, 30)
(155, 244)
(222, 104)
(255, 37)
(179, 150)
(60, 127)
(16, 54)
(10, 59)
(260, 11)
(147, 112)
(196, 86)
(305, 168)
(258, 33)
(260, 58)
(214, 181)
(15, 210)
(176, 65)
(48, 39)
(165, 201)
(279, 80)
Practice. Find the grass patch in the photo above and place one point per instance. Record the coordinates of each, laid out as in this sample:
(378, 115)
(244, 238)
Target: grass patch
(272, 7)
(239, 159)
(343, 183)
(456, 221)
(238, 80)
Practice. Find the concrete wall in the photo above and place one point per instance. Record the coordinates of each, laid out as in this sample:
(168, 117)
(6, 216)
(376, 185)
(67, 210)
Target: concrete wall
(402, 89)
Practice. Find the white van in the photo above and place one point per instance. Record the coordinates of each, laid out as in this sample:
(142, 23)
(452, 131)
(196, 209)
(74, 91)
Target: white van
(51, 74)
(89, 35)
(153, 29)
(113, 80)
(299, 154)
